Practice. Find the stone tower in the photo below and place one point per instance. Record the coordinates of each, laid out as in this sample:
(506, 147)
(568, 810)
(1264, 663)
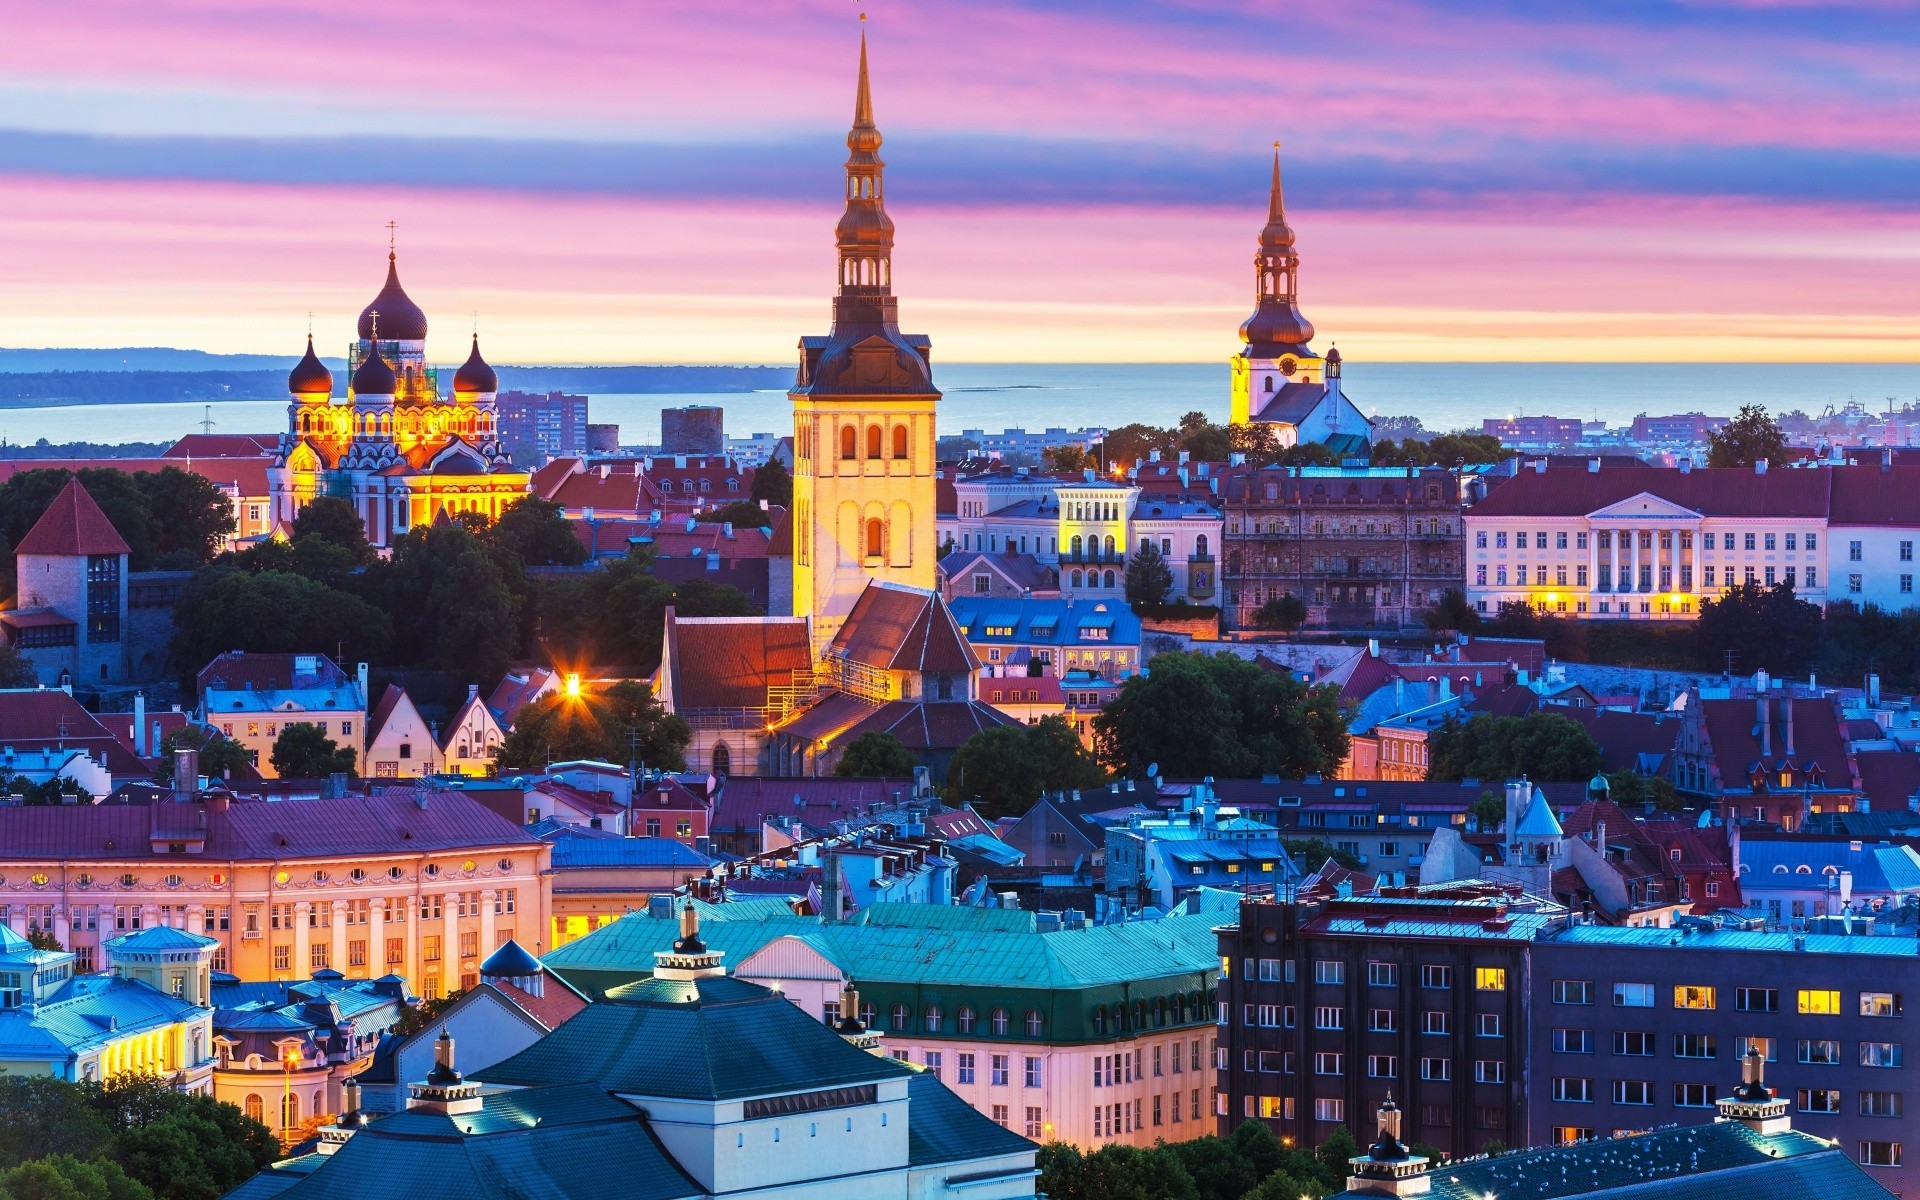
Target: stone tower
(863, 419)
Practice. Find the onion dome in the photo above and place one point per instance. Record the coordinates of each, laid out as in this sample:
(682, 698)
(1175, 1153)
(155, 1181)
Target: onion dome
(1333, 354)
(310, 378)
(401, 320)
(1276, 322)
(374, 377)
(474, 375)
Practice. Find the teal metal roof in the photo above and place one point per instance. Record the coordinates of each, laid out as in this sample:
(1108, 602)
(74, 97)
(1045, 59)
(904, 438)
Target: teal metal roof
(711, 1038)
(559, 1143)
(947, 916)
(1742, 939)
(943, 1128)
(88, 1012)
(157, 939)
(1720, 1161)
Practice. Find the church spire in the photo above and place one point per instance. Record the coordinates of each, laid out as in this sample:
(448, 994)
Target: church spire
(865, 232)
(1276, 321)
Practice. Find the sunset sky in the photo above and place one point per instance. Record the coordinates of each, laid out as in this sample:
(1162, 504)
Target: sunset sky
(633, 181)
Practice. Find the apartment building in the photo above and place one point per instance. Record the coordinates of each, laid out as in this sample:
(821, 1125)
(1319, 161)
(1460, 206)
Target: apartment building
(1638, 1029)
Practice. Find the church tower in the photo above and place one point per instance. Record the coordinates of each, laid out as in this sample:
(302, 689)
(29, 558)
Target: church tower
(1276, 353)
(863, 436)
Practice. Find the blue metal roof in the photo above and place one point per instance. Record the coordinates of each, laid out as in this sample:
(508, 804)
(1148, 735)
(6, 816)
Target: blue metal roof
(579, 853)
(1799, 865)
(1741, 939)
(1055, 622)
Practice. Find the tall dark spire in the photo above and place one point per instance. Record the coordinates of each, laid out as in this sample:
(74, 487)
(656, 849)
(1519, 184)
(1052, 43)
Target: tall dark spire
(865, 232)
(1276, 322)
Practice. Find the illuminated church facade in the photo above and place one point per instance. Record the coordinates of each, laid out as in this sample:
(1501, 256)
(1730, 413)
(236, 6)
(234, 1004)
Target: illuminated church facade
(863, 423)
(395, 448)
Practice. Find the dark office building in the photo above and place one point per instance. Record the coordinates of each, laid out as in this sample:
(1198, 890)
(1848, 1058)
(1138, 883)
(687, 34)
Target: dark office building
(1636, 1029)
(1330, 1003)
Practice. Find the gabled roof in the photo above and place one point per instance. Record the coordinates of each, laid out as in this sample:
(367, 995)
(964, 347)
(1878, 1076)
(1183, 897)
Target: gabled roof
(49, 717)
(1292, 404)
(73, 525)
(516, 690)
(731, 662)
(930, 725)
(899, 628)
(223, 445)
(1713, 492)
(390, 702)
(710, 1038)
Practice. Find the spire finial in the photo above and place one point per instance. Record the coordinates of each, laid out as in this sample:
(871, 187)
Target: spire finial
(391, 228)
(1276, 209)
(863, 97)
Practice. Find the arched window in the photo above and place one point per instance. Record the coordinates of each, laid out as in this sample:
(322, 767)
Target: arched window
(1119, 1018)
(1076, 578)
(289, 1111)
(899, 441)
(666, 486)
(876, 538)
(1139, 1014)
(1109, 545)
(1160, 1012)
(1099, 1021)
(1200, 545)
(1269, 383)
(899, 1018)
(966, 1019)
(722, 760)
(933, 1018)
(866, 1015)
(706, 485)
(254, 1108)
(873, 441)
(848, 441)
(1000, 1021)
(1076, 545)
(733, 485)
(1035, 1026)
(1109, 578)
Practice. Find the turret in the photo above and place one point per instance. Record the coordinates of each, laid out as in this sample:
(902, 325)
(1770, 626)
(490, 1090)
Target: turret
(1388, 1168)
(1753, 1103)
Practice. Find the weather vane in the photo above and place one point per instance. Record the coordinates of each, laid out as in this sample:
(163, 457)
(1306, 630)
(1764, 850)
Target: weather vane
(390, 236)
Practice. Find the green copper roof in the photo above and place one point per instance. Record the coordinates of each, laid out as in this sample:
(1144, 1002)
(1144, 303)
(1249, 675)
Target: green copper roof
(943, 1128)
(561, 1143)
(1720, 1161)
(714, 1038)
(952, 945)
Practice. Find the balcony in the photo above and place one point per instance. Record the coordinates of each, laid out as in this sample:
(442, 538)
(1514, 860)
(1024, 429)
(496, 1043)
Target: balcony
(1116, 559)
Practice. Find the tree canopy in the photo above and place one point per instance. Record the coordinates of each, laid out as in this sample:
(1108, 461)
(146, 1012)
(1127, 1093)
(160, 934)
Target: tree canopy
(1251, 1164)
(218, 755)
(1003, 770)
(304, 751)
(1762, 627)
(224, 608)
(1286, 612)
(1217, 714)
(1149, 578)
(623, 722)
(170, 519)
(1545, 747)
(773, 483)
(537, 532)
(875, 754)
(1752, 436)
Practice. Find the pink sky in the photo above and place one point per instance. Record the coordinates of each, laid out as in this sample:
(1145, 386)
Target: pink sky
(1470, 180)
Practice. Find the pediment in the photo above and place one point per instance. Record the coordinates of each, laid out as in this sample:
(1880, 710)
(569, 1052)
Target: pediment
(1644, 507)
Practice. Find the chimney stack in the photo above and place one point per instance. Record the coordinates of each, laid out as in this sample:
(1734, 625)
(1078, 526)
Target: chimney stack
(1765, 714)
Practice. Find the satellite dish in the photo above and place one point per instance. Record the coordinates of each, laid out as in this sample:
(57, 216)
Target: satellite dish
(1153, 770)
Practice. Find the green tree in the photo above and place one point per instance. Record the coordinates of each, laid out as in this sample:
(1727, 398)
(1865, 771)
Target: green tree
(425, 1014)
(1070, 457)
(1283, 1185)
(1627, 788)
(1545, 747)
(1257, 441)
(1113, 1173)
(304, 751)
(623, 722)
(773, 483)
(1286, 612)
(41, 939)
(1216, 714)
(538, 532)
(1203, 440)
(454, 599)
(218, 755)
(64, 1177)
(1003, 770)
(875, 754)
(741, 514)
(1149, 578)
(1218, 1170)
(1489, 811)
(1752, 436)
(189, 515)
(1310, 854)
(40, 1116)
(1453, 614)
(1133, 444)
(334, 520)
(1761, 626)
(227, 609)
(16, 669)
(1333, 1152)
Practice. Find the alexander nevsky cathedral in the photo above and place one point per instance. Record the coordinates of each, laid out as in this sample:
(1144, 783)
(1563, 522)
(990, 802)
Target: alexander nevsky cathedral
(395, 448)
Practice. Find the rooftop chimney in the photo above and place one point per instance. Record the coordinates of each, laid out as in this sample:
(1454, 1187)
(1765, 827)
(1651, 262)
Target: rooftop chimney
(1765, 714)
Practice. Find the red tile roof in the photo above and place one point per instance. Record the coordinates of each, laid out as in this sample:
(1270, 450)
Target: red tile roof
(936, 725)
(900, 628)
(730, 662)
(223, 445)
(1715, 492)
(243, 670)
(1889, 778)
(246, 475)
(1731, 726)
(73, 524)
(557, 1004)
(49, 717)
(1625, 738)
(780, 545)
(671, 795)
(674, 540)
(1866, 495)
(743, 802)
(383, 711)
(120, 725)
(516, 690)
(389, 821)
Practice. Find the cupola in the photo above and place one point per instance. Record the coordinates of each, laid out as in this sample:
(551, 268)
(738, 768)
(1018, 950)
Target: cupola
(475, 377)
(374, 377)
(310, 380)
(400, 319)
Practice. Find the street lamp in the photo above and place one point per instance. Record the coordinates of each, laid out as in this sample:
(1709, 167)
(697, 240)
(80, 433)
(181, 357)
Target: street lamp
(292, 1063)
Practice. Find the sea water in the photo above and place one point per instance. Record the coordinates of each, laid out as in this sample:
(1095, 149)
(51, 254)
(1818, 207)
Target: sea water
(993, 397)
